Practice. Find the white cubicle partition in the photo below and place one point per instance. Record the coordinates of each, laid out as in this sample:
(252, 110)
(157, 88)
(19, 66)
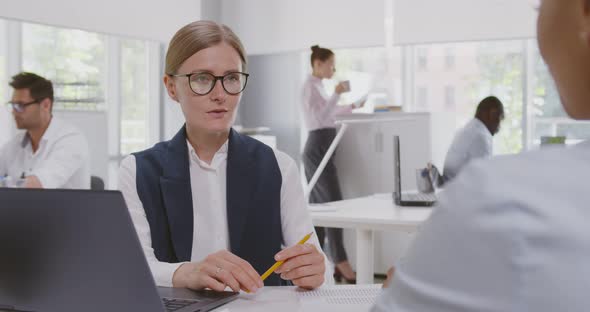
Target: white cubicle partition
(364, 159)
(93, 126)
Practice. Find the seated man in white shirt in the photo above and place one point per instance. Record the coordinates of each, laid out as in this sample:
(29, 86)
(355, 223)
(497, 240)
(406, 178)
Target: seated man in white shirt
(511, 233)
(475, 139)
(49, 153)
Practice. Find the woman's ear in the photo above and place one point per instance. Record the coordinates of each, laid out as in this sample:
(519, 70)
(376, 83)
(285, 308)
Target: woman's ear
(170, 87)
(317, 63)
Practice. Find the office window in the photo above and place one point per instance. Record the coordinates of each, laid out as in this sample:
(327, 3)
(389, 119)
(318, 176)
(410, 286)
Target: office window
(73, 59)
(3, 53)
(450, 98)
(373, 71)
(422, 61)
(422, 99)
(548, 117)
(455, 77)
(449, 58)
(481, 69)
(6, 126)
(89, 68)
(134, 96)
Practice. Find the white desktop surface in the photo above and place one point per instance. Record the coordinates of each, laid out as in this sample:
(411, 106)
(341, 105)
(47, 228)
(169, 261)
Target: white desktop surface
(290, 299)
(366, 215)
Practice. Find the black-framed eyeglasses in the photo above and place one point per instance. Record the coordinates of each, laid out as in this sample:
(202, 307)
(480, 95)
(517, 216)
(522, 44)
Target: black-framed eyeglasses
(203, 83)
(20, 107)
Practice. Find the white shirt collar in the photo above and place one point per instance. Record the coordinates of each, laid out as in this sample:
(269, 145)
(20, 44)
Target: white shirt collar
(315, 79)
(481, 126)
(49, 134)
(219, 157)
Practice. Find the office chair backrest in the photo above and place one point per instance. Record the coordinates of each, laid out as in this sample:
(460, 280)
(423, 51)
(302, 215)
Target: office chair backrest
(96, 183)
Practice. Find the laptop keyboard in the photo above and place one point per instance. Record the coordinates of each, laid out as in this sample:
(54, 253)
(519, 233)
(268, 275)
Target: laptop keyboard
(177, 304)
(419, 197)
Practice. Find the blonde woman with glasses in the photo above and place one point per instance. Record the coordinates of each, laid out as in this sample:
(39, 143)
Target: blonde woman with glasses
(214, 208)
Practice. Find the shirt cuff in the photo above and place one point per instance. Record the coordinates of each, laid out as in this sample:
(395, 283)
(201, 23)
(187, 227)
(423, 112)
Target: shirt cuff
(329, 273)
(163, 272)
(47, 182)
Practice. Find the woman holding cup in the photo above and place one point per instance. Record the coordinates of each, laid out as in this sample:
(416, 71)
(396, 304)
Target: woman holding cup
(319, 111)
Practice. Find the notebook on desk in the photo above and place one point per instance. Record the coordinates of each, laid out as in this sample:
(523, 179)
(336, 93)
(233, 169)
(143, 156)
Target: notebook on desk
(407, 199)
(72, 251)
(328, 298)
(340, 296)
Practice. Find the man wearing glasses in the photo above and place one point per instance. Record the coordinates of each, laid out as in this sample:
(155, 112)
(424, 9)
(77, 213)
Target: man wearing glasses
(49, 153)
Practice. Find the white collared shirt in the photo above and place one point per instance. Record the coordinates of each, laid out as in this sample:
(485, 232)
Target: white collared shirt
(472, 142)
(61, 160)
(208, 184)
(319, 108)
(509, 234)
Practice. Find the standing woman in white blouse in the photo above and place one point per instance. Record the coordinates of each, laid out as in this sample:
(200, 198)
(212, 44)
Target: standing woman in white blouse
(214, 208)
(319, 111)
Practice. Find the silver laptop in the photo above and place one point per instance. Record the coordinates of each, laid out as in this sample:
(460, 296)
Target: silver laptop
(407, 199)
(64, 250)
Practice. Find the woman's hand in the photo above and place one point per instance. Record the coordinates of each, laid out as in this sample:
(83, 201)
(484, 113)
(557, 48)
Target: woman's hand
(340, 88)
(304, 265)
(390, 274)
(217, 271)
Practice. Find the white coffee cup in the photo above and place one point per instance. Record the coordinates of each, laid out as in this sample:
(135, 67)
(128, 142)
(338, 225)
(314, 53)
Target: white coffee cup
(346, 85)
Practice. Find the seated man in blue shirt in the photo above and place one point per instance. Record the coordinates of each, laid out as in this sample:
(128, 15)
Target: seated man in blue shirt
(475, 139)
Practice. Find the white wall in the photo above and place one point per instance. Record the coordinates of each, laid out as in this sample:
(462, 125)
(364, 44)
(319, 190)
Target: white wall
(273, 26)
(211, 10)
(143, 19)
(418, 21)
(275, 103)
(93, 126)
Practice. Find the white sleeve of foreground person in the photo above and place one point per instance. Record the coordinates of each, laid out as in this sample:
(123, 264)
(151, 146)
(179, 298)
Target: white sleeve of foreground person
(509, 234)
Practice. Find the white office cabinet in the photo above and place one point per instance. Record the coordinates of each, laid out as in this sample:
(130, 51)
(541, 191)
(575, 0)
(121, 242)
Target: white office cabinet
(365, 161)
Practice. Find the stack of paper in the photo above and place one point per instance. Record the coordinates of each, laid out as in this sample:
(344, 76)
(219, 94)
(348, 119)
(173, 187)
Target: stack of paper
(339, 298)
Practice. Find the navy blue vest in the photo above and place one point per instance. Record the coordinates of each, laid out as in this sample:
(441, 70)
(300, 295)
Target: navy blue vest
(253, 200)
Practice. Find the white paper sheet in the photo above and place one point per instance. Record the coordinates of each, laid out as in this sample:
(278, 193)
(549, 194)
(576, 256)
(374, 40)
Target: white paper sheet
(342, 294)
(338, 298)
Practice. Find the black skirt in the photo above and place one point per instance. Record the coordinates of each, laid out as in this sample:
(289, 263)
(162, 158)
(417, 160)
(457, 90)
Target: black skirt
(327, 189)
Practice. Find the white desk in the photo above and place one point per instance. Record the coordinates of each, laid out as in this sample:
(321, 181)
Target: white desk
(339, 298)
(366, 215)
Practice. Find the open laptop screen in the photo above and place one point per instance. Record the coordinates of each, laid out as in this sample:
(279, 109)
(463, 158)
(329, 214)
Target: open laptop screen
(66, 250)
(396, 167)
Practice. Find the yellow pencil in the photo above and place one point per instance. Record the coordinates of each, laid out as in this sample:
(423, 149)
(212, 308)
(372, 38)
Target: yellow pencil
(279, 263)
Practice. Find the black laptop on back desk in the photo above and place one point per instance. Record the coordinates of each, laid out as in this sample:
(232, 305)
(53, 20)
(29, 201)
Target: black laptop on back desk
(407, 199)
(64, 250)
